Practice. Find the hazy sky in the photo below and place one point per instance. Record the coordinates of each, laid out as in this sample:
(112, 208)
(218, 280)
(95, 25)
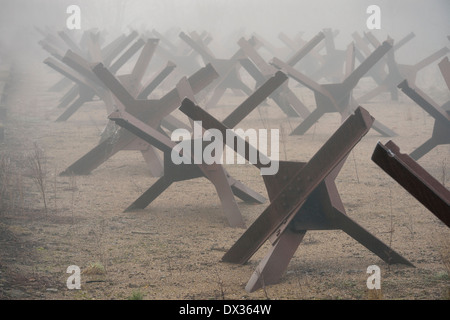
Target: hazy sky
(428, 19)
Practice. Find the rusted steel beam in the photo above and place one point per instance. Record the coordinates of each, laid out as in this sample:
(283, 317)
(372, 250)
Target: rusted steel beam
(228, 69)
(283, 208)
(377, 72)
(111, 51)
(332, 61)
(132, 81)
(260, 70)
(196, 113)
(335, 97)
(310, 45)
(223, 182)
(398, 72)
(81, 65)
(177, 173)
(70, 42)
(207, 56)
(444, 66)
(415, 179)
(186, 64)
(292, 44)
(126, 56)
(258, 97)
(225, 185)
(270, 47)
(306, 51)
(149, 111)
(297, 49)
(323, 210)
(153, 83)
(85, 91)
(315, 60)
(441, 129)
(152, 110)
(299, 202)
(56, 48)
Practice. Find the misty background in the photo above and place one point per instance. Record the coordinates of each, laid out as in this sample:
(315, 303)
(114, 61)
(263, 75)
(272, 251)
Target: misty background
(227, 20)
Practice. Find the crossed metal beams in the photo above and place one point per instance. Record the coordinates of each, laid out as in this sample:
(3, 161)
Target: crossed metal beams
(151, 111)
(79, 93)
(228, 69)
(398, 72)
(335, 97)
(260, 70)
(86, 93)
(107, 54)
(187, 62)
(303, 196)
(223, 182)
(441, 129)
(377, 72)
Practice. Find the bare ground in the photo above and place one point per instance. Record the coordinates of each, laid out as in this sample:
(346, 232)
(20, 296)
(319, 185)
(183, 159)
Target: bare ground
(173, 248)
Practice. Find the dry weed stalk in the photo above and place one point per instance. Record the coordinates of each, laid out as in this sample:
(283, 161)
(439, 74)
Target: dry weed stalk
(54, 190)
(37, 162)
(445, 254)
(263, 118)
(263, 284)
(356, 167)
(98, 238)
(220, 285)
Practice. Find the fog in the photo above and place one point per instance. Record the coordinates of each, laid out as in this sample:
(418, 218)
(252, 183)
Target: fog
(84, 224)
(225, 20)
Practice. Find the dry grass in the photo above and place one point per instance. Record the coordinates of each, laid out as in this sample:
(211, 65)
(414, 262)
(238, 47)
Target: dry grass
(37, 163)
(95, 268)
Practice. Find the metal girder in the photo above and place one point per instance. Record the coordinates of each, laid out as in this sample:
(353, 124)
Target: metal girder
(224, 183)
(398, 72)
(283, 208)
(149, 111)
(444, 66)
(441, 129)
(415, 179)
(228, 69)
(303, 197)
(215, 173)
(82, 93)
(336, 97)
(305, 49)
(260, 70)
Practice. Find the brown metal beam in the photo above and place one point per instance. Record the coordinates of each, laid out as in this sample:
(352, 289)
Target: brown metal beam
(149, 111)
(415, 179)
(322, 209)
(441, 129)
(335, 97)
(283, 208)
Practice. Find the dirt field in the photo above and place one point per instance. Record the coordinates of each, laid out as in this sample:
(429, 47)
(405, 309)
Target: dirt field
(173, 248)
